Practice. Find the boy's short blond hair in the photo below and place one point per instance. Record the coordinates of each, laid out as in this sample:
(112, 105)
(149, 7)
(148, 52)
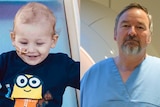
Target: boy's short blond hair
(34, 12)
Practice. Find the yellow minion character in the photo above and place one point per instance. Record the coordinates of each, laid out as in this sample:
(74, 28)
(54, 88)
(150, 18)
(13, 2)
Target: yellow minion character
(26, 91)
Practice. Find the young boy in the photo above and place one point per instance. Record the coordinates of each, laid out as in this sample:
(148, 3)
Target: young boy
(30, 76)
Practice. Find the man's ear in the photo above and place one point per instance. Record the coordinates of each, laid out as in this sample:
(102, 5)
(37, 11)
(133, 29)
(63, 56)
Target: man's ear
(55, 39)
(115, 35)
(12, 35)
(149, 39)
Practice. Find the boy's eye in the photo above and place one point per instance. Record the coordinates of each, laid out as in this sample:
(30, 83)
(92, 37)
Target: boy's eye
(40, 43)
(24, 43)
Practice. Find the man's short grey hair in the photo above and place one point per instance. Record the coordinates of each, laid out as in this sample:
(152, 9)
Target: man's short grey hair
(138, 6)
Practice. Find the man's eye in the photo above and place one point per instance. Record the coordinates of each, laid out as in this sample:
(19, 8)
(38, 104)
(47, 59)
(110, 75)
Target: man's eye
(140, 27)
(125, 25)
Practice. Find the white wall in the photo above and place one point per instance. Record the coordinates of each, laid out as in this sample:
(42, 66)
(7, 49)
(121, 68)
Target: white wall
(86, 61)
(97, 24)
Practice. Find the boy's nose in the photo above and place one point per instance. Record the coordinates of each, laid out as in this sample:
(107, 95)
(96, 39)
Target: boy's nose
(31, 49)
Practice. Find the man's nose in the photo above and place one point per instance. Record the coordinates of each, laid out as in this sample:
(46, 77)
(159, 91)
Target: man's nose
(132, 31)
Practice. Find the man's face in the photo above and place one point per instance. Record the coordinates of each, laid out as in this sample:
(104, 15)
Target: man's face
(35, 39)
(133, 33)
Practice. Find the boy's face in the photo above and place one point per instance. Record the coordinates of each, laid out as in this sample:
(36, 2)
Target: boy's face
(35, 39)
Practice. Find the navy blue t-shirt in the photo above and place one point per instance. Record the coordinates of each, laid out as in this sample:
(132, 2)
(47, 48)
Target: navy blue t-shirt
(54, 74)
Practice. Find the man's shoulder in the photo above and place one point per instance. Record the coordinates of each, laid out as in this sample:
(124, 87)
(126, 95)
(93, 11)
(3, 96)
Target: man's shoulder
(104, 62)
(152, 59)
(103, 65)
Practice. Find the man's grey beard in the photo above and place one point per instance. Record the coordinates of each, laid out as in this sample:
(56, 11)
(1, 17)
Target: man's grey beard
(131, 50)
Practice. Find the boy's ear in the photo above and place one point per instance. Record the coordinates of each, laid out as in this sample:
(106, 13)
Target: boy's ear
(55, 39)
(12, 35)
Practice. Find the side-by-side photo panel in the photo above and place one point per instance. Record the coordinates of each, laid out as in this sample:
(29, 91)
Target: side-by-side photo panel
(119, 53)
(39, 53)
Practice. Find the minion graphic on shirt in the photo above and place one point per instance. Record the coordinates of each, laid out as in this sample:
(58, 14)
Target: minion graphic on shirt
(26, 91)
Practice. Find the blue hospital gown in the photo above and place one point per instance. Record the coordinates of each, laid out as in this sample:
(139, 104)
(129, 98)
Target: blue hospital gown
(102, 85)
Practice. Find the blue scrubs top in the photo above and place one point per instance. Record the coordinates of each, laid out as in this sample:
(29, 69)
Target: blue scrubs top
(102, 85)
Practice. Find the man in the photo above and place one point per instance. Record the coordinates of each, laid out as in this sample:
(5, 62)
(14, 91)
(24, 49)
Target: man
(131, 78)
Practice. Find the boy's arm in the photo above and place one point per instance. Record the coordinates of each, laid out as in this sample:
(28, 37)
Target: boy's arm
(2, 67)
(74, 74)
(3, 89)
